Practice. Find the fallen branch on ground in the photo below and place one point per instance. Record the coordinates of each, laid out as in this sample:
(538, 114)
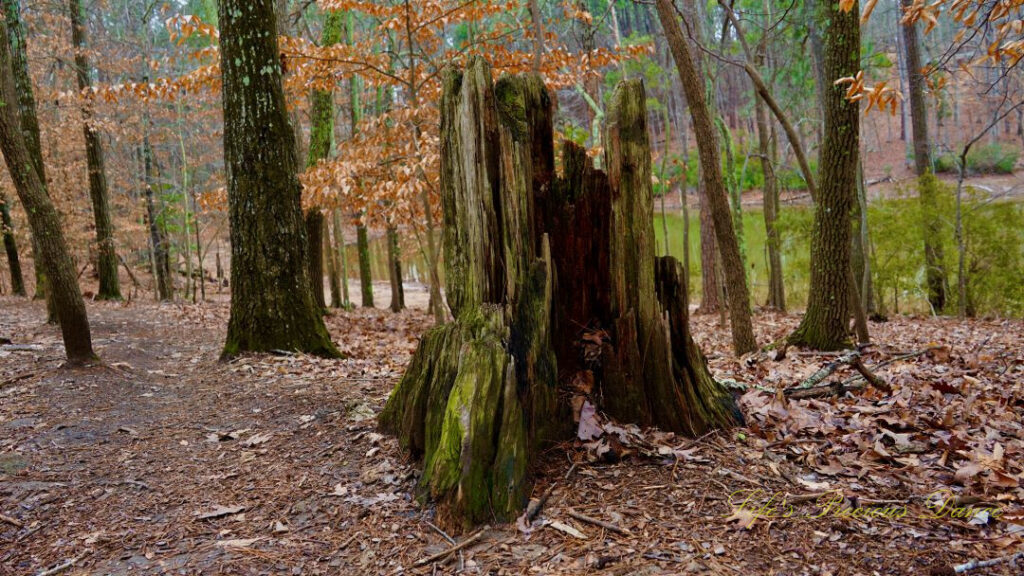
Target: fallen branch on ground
(600, 523)
(961, 568)
(893, 360)
(809, 388)
(12, 521)
(62, 567)
(444, 553)
(17, 378)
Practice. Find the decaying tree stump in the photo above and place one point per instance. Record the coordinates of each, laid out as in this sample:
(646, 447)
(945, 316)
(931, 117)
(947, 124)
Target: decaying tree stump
(540, 270)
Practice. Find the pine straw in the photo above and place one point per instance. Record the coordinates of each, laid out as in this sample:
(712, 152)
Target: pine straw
(118, 462)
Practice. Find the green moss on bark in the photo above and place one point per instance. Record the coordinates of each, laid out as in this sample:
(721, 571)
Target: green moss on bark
(480, 396)
(272, 304)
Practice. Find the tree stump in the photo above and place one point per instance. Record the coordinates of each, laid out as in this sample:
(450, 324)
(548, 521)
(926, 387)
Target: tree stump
(541, 269)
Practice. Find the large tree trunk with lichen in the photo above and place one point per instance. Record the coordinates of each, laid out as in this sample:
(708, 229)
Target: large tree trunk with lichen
(272, 305)
(824, 325)
(545, 275)
(107, 264)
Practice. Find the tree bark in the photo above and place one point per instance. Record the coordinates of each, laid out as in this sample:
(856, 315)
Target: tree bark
(333, 276)
(339, 249)
(29, 123)
(711, 172)
(272, 305)
(770, 201)
(538, 35)
(11, 247)
(43, 219)
(733, 188)
(481, 393)
(711, 273)
(824, 325)
(365, 270)
(320, 139)
(927, 185)
(314, 222)
(395, 271)
(861, 255)
(110, 285)
(157, 238)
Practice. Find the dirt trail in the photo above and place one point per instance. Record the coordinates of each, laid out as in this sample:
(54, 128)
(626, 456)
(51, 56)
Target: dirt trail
(166, 461)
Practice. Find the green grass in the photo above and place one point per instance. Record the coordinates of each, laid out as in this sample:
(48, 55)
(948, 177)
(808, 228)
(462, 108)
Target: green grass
(795, 252)
(995, 253)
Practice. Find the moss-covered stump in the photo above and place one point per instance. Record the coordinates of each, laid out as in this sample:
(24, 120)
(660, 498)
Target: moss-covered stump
(534, 263)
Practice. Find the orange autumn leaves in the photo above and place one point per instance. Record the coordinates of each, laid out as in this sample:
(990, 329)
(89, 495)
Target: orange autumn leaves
(387, 165)
(1002, 19)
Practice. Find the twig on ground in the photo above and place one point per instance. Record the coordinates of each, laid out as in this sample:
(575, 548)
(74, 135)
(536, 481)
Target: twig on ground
(12, 521)
(810, 387)
(449, 539)
(828, 369)
(537, 505)
(665, 557)
(62, 567)
(870, 376)
(17, 378)
(444, 553)
(961, 568)
(892, 360)
(600, 523)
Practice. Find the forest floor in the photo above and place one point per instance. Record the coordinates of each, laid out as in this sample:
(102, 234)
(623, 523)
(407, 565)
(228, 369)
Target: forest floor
(164, 460)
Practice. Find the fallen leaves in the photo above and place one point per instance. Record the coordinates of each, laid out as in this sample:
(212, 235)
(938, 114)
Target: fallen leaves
(220, 512)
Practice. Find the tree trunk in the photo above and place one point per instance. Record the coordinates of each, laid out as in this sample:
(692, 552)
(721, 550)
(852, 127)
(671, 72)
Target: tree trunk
(314, 221)
(861, 255)
(733, 188)
(29, 123)
(824, 325)
(927, 185)
(157, 238)
(711, 172)
(110, 285)
(365, 272)
(321, 135)
(812, 10)
(711, 273)
(481, 393)
(272, 305)
(339, 249)
(11, 247)
(395, 271)
(333, 278)
(43, 219)
(770, 201)
(538, 35)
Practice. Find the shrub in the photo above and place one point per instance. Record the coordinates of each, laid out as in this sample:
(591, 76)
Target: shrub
(985, 159)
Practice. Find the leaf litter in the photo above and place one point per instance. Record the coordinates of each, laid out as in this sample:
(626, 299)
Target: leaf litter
(271, 463)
